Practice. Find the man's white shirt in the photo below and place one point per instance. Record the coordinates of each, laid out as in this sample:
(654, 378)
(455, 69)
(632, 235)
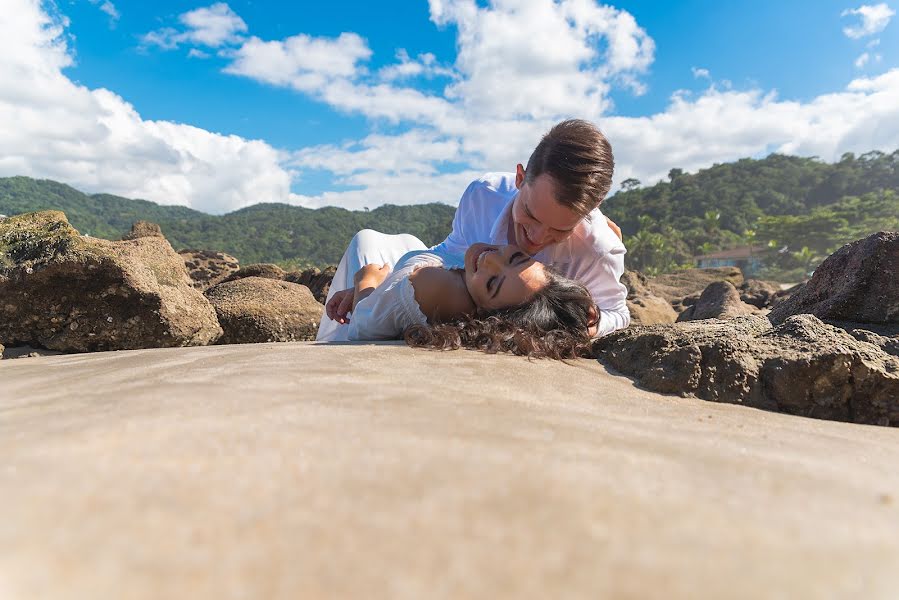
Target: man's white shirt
(592, 254)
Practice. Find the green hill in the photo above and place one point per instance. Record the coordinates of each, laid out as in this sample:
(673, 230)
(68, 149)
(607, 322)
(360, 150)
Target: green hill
(799, 209)
(280, 233)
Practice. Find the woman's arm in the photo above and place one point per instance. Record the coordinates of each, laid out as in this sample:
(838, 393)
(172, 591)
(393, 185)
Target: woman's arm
(367, 279)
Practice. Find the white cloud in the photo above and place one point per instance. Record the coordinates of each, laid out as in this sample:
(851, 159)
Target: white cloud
(700, 73)
(862, 60)
(95, 141)
(874, 19)
(109, 8)
(197, 53)
(212, 26)
(425, 65)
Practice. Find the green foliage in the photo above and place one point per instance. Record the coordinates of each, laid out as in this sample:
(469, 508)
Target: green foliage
(288, 235)
(784, 201)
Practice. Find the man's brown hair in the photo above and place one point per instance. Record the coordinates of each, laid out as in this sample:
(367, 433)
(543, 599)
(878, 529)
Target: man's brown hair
(579, 159)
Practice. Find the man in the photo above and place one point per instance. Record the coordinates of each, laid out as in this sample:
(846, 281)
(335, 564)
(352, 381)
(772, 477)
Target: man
(551, 211)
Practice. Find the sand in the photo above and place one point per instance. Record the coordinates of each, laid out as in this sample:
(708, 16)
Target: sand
(371, 471)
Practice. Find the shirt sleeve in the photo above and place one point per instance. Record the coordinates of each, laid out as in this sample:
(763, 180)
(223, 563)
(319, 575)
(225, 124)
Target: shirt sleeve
(456, 242)
(603, 280)
(389, 310)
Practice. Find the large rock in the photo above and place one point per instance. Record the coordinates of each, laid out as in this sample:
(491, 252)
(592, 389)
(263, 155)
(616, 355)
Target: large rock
(318, 281)
(645, 307)
(207, 268)
(802, 366)
(256, 309)
(720, 300)
(264, 270)
(67, 292)
(859, 282)
(674, 287)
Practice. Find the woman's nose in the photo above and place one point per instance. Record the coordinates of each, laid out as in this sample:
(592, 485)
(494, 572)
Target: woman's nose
(493, 261)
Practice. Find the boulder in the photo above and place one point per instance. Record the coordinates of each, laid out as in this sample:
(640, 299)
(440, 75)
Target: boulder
(674, 287)
(318, 281)
(802, 366)
(758, 293)
(859, 282)
(257, 309)
(264, 270)
(63, 291)
(645, 307)
(720, 300)
(141, 229)
(207, 268)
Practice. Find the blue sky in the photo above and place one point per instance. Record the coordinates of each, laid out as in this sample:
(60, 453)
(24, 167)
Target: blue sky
(220, 105)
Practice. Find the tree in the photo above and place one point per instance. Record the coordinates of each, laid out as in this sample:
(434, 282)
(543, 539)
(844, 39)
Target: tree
(630, 184)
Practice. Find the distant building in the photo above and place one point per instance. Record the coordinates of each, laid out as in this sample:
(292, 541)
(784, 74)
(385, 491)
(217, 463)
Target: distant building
(747, 259)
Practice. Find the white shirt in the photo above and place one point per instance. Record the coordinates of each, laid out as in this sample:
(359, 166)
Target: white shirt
(592, 254)
(391, 308)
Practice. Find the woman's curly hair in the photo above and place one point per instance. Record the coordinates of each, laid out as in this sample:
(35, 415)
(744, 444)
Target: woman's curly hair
(553, 324)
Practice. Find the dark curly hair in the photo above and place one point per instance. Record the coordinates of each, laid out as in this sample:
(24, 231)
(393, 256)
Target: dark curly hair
(553, 324)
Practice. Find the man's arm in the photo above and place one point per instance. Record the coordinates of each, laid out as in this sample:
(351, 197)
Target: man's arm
(603, 280)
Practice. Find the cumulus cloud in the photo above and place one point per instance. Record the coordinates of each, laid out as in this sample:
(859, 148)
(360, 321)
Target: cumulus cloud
(212, 26)
(872, 20)
(109, 8)
(424, 65)
(96, 141)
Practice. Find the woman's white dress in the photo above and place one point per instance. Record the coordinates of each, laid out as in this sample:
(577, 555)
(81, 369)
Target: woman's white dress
(391, 308)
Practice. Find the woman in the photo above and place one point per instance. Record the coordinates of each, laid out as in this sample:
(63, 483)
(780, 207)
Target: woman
(495, 298)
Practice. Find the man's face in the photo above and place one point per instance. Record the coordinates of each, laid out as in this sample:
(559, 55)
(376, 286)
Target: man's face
(538, 220)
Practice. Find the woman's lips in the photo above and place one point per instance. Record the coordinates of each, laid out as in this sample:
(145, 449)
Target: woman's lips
(477, 260)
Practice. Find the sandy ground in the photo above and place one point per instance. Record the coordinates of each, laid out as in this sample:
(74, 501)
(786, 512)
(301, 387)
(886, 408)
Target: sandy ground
(372, 471)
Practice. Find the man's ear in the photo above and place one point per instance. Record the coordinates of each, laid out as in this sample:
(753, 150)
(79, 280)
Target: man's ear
(519, 176)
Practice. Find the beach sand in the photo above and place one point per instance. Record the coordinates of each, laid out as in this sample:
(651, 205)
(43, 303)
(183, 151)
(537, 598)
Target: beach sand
(372, 471)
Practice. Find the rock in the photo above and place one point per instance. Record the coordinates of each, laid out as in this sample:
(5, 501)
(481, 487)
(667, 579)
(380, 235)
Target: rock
(720, 300)
(63, 291)
(758, 293)
(318, 281)
(674, 287)
(802, 366)
(889, 344)
(207, 268)
(264, 270)
(257, 309)
(859, 282)
(645, 307)
(2, 350)
(141, 229)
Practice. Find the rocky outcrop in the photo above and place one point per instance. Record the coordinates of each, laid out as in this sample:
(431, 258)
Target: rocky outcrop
(318, 281)
(675, 287)
(758, 293)
(802, 366)
(859, 282)
(73, 293)
(720, 300)
(645, 307)
(264, 270)
(141, 229)
(207, 268)
(257, 309)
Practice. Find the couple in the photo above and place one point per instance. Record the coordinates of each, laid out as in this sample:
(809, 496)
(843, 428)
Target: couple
(531, 266)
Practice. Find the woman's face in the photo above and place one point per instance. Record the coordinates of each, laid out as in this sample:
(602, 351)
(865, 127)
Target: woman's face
(501, 276)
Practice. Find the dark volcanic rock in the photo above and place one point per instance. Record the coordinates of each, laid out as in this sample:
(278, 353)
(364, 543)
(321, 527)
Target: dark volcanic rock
(256, 309)
(264, 270)
(141, 229)
(859, 282)
(720, 300)
(62, 291)
(802, 366)
(645, 307)
(674, 287)
(758, 293)
(207, 268)
(318, 281)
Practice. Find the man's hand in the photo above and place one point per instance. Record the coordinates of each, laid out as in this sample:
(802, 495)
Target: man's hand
(614, 227)
(339, 305)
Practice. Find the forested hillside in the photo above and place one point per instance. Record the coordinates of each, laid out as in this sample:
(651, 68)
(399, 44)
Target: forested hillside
(280, 233)
(798, 209)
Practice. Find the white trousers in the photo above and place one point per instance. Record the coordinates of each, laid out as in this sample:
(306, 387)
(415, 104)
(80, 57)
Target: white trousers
(367, 247)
